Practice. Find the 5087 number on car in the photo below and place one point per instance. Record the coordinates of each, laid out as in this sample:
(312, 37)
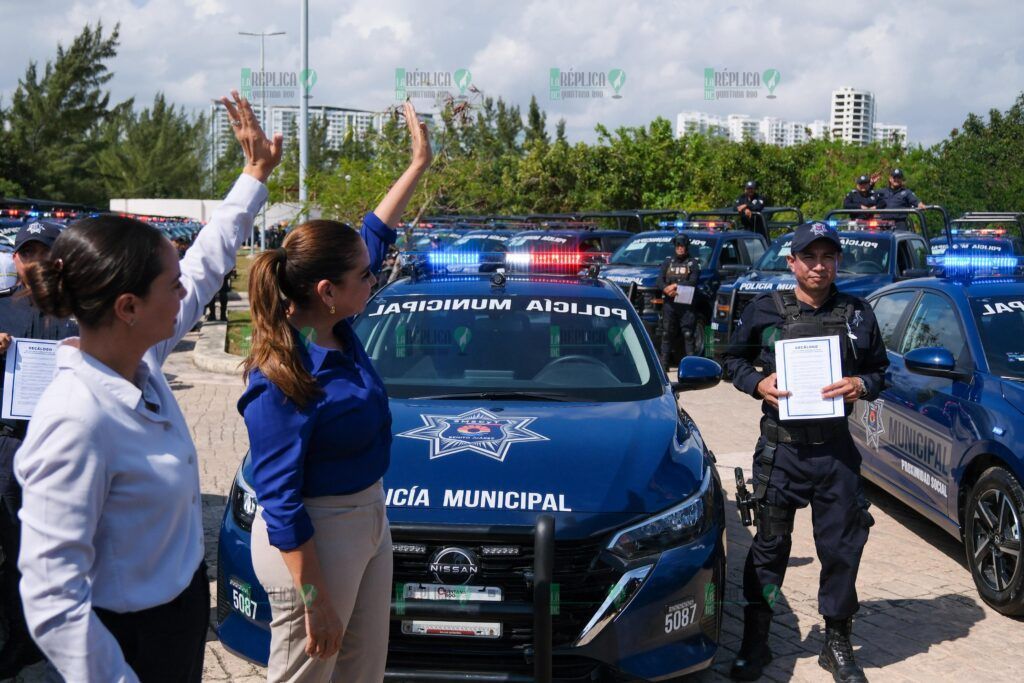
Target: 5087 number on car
(680, 615)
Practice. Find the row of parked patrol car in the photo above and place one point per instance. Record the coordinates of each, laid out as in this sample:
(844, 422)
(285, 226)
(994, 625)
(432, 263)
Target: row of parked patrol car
(557, 516)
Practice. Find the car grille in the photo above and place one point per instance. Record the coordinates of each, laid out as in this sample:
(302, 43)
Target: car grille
(582, 579)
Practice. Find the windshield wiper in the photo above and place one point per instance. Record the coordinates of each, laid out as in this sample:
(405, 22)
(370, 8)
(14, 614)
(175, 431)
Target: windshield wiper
(498, 396)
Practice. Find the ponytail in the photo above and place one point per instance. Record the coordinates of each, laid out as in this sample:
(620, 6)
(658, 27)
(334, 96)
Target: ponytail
(45, 281)
(273, 349)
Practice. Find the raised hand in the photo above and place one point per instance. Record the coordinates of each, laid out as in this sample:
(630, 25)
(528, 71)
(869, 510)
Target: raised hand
(261, 154)
(422, 154)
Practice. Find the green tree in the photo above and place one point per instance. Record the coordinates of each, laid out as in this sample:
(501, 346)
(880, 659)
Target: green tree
(536, 124)
(158, 152)
(57, 121)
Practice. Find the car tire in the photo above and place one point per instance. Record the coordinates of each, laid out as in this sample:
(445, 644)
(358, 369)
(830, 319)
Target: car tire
(993, 532)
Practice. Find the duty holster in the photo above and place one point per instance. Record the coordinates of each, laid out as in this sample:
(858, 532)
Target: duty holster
(771, 520)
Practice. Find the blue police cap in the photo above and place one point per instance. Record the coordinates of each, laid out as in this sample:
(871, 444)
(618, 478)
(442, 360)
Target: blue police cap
(44, 232)
(806, 233)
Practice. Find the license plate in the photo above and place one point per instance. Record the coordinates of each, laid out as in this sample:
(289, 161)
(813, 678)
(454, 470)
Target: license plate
(465, 629)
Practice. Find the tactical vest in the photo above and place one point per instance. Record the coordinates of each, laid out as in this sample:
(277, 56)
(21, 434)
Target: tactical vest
(678, 271)
(797, 324)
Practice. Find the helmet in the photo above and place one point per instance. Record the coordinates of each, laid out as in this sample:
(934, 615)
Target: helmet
(681, 240)
(751, 185)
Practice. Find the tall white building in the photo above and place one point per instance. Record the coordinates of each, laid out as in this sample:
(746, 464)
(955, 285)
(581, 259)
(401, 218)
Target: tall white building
(852, 116)
(742, 127)
(773, 130)
(699, 122)
(818, 129)
(890, 132)
(284, 119)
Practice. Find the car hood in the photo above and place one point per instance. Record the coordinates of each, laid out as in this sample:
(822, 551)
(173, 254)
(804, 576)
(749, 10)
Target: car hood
(1013, 392)
(766, 281)
(594, 466)
(622, 275)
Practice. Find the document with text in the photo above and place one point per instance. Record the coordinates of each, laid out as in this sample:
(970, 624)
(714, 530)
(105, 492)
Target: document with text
(29, 368)
(804, 367)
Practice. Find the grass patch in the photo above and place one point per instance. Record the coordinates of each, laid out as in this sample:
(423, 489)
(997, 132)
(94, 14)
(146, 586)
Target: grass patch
(242, 265)
(239, 333)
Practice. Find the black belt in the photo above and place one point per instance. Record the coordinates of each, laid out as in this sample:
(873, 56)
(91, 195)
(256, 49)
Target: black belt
(774, 432)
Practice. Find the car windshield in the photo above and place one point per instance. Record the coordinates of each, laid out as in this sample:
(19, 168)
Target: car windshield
(533, 242)
(1000, 322)
(652, 251)
(977, 245)
(480, 243)
(863, 254)
(515, 346)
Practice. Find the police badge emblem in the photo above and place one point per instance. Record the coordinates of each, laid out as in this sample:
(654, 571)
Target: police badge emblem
(872, 419)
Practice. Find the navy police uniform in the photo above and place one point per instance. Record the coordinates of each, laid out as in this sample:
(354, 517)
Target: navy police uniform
(800, 463)
(902, 198)
(756, 203)
(678, 320)
(855, 199)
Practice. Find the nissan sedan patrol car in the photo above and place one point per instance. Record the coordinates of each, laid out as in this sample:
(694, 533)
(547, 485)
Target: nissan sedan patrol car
(875, 254)
(946, 435)
(724, 254)
(551, 506)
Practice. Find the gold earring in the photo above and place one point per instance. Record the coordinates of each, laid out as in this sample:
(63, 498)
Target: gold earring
(332, 310)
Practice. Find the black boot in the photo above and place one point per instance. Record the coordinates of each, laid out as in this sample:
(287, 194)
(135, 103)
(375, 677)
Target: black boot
(754, 654)
(837, 653)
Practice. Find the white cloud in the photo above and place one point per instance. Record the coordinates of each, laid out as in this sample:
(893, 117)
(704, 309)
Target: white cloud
(929, 64)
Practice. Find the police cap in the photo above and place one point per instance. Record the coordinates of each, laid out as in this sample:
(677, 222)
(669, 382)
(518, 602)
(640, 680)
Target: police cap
(751, 185)
(896, 173)
(44, 232)
(806, 233)
(863, 180)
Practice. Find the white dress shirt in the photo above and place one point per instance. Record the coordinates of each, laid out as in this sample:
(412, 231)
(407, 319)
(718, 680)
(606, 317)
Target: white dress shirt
(112, 513)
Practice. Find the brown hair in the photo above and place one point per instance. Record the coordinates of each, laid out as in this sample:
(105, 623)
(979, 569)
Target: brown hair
(93, 262)
(314, 251)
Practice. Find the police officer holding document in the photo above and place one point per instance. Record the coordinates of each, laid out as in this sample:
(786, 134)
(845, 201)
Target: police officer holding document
(805, 455)
(677, 280)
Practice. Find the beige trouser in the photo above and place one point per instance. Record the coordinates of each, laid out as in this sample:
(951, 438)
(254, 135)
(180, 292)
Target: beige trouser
(353, 544)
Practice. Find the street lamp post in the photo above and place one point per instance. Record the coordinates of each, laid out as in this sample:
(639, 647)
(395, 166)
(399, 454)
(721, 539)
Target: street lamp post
(263, 116)
(303, 109)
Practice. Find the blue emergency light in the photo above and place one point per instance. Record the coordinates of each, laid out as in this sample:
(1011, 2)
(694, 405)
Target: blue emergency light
(672, 224)
(961, 264)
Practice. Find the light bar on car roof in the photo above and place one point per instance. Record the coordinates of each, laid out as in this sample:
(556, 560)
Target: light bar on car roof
(979, 232)
(968, 264)
(855, 224)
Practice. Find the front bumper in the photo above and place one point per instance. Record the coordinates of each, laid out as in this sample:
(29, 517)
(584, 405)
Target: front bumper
(649, 637)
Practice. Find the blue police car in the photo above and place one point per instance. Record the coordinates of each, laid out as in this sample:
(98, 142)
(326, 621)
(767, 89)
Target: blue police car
(947, 434)
(874, 254)
(550, 504)
(724, 254)
(477, 251)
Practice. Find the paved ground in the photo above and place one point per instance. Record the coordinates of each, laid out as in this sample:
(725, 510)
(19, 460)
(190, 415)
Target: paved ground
(921, 617)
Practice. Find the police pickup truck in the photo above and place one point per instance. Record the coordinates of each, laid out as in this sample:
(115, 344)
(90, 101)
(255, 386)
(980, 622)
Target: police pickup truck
(874, 254)
(725, 252)
(986, 233)
(555, 514)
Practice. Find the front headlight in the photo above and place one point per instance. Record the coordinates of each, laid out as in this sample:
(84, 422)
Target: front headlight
(670, 528)
(243, 502)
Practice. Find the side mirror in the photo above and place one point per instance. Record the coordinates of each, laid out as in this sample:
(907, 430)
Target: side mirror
(933, 361)
(697, 373)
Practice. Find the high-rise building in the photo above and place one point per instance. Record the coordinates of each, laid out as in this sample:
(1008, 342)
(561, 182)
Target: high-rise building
(852, 116)
(699, 122)
(818, 129)
(742, 127)
(890, 132)
(773, 131)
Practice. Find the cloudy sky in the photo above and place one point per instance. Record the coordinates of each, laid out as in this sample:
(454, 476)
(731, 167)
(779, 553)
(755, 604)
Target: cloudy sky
(929, 64)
